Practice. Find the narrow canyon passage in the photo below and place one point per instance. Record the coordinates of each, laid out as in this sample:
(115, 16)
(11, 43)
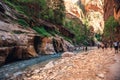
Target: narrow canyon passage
(58, 39)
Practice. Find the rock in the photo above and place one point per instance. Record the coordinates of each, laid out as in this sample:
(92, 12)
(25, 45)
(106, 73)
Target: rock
(49, 65)
(51, 45)
(36, 71)
(116, 10)
(14, 45)
(67, 54)
(61, 45)
(46, 46)
(58, 44)
(2, 60)
(93, 9)
(24, 43)
(81, 67)
(108, 12)
(50, 48)
(17, 73)
(100, 75)
(31, 51)
(4, 54)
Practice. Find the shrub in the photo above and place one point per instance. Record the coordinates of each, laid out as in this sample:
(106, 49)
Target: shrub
(110, 26)
(41, 30)
(23, 22)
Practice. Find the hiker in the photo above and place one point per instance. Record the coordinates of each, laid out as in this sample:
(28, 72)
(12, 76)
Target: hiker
(116, 46)
(83, 48)
(98, 46)
(102, 46)
(86, 48)
(111, 45)
(105, 45)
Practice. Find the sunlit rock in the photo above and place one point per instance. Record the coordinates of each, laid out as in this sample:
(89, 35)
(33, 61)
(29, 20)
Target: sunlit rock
(87, 10)
(67, 54)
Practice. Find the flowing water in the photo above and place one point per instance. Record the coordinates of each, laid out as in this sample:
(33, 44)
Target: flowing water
(17, 67)
(7, 70)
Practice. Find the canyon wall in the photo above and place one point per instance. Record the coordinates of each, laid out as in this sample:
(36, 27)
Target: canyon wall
(87, 10)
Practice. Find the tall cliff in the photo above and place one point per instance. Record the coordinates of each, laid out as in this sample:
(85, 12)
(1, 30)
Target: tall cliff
(87, 10)
(108, 9)
(112, 8)
(112, 19)
(30, 28)
(117, 10)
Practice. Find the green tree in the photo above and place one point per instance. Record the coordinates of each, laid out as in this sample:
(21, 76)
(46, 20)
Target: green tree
(110, 26)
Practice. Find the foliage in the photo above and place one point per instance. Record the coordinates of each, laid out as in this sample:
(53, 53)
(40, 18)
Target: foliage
(81, 31)
(98, 37)
(23, 22)
(53, 12)
(41, 30)
(110, 26)
(36, 9)
(39, 9)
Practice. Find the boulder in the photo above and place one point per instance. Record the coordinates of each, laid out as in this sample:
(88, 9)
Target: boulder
(31, 51)
(67, 54)
(47, 46)
(51, 45)
(4, 54)
(61, 45)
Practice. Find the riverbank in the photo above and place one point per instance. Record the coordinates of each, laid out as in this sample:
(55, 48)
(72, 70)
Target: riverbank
(18, 66)
(91, 65)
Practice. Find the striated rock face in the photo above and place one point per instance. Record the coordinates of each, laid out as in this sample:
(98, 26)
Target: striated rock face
(16, 43)
(117, 10)
(112, 8)
(51, 45)
(92, 11)
(108, 9)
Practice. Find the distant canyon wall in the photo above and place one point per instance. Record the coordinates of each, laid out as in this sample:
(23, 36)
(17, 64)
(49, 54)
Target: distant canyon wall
(87, 10)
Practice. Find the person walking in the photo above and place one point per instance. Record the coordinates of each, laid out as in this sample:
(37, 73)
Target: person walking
(116, 46)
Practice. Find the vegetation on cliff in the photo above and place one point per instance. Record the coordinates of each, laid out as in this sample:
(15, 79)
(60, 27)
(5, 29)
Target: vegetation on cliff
(82, 31)
(110, 28)
(39, 9)
(51, 11)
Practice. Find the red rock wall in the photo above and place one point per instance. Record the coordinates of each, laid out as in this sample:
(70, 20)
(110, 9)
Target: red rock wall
(112, 8)
(108, 9)
(117, 10)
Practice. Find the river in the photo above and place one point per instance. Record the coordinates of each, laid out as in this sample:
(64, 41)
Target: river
(9, 69)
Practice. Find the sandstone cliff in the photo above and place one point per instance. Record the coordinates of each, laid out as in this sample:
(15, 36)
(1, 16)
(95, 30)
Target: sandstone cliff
(92, 11)
(117, 10)
(19, 42)
(112, 8)
(108, 9)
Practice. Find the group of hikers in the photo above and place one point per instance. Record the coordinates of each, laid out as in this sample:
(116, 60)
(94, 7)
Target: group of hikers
(105, 45)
